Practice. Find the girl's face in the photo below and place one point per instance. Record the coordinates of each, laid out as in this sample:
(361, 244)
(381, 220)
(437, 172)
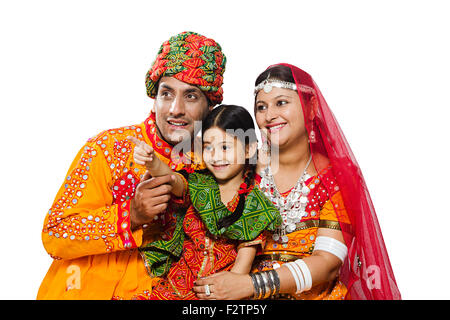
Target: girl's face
(223, 153)
(279, 115)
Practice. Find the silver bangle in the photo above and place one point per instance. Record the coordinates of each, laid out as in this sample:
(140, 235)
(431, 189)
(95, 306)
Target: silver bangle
(256, 290)
(266, 285)
(260, 280)
(271, 284)
(276, 281)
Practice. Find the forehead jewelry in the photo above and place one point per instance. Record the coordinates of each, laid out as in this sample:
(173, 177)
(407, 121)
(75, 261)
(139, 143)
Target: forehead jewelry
(268, 84)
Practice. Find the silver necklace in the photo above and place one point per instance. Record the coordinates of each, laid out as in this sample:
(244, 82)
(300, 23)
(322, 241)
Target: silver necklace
(293, 207)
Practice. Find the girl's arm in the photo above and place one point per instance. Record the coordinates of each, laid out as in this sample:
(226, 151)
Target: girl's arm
(145, 155)
(244, 260)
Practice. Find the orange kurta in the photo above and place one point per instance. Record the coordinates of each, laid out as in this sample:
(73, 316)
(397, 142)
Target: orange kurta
(325, 210)
(87, 229)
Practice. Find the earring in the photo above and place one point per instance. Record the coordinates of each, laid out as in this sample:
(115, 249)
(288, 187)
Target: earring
(312, 135)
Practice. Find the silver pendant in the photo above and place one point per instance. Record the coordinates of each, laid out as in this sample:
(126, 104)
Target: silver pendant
(305, 190)
(288, 204)
(267, 88)
(293, 214)
(290, 227)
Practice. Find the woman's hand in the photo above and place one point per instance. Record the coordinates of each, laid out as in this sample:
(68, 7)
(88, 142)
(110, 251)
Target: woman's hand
(225, 285)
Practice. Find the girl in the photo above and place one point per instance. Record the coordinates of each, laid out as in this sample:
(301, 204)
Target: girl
(226, 213)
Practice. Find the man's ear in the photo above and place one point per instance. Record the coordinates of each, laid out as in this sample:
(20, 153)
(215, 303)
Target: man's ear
(153, 109)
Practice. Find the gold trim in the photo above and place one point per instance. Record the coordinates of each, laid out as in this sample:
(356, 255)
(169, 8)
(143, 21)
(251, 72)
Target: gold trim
(307, 224)
(205, 258)
(175, 289)
(147, 266)
(278, 257)
(330, 224)
(282, 296)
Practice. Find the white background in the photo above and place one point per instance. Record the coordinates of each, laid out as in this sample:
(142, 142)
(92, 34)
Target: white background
(69, 69)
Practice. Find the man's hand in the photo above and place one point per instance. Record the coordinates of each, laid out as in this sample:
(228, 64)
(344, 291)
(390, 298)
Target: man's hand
(151, 198)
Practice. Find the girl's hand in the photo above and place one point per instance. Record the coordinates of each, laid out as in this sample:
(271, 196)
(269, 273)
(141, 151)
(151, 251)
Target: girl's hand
(225, 285)
(143, 153)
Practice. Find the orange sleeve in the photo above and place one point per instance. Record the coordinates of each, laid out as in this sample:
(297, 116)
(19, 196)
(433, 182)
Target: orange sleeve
(334, 209)
(83, 219)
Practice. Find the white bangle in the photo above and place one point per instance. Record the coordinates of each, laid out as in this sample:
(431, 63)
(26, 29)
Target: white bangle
(294, 274)
(332, 246)
(306, 273)
(300, 277)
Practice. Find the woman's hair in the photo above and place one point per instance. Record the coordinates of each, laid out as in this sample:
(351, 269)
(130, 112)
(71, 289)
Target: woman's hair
(235, 120)
(278, 72)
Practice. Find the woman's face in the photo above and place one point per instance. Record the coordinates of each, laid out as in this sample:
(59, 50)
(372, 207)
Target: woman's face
(279, 115)
(223, 153)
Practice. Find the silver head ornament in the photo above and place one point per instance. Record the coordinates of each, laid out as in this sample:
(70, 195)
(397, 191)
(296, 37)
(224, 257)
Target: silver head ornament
(268, 84)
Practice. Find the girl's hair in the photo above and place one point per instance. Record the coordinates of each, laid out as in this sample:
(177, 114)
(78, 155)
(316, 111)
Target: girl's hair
(235, 120)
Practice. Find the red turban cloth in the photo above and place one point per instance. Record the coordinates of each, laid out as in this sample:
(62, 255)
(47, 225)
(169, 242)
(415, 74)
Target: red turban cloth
(193, 59)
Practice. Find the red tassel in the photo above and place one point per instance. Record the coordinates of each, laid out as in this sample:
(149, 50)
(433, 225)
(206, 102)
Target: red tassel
(243, 188)
(189, 169)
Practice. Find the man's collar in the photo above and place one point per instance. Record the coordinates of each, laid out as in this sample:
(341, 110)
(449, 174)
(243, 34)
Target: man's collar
(176, 162)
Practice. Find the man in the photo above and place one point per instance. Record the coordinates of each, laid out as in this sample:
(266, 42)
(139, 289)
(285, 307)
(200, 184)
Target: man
(102, 213)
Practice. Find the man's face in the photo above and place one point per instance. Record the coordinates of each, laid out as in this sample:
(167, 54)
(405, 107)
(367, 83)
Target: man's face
(177, 106)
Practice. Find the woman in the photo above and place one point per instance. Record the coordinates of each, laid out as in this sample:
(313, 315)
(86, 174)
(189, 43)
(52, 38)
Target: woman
(330, 245)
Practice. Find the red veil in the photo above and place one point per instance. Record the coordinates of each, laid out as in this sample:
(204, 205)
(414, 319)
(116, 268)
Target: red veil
(367, 272)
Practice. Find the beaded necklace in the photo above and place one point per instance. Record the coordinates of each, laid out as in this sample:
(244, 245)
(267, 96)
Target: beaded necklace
(292, 208)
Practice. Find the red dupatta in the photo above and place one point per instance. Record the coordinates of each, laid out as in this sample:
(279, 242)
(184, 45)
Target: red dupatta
(367, 271)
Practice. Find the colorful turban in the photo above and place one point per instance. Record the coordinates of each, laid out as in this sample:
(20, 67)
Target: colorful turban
(193, 59)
